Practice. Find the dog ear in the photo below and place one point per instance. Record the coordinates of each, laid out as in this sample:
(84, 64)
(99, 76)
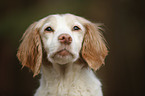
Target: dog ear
(30, 49)
(94, 49)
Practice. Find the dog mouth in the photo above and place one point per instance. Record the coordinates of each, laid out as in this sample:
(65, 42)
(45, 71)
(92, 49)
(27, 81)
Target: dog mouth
(63, 52)
(63, 55)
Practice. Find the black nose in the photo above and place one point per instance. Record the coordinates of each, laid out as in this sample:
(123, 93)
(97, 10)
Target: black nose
(65, 39)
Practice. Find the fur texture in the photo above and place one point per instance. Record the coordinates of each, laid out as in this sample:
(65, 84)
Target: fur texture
(64, 49)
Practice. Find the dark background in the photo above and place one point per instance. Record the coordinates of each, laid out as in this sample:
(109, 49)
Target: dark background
(124, 72)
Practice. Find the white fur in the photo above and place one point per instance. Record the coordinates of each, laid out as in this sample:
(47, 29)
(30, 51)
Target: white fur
(75, 82)
(67, 77)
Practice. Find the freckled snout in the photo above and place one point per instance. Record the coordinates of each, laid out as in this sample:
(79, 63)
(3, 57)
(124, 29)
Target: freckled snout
(65, 39)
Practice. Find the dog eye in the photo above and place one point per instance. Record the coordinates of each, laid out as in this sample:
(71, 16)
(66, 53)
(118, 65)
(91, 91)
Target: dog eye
(76, 28)
(49, 29)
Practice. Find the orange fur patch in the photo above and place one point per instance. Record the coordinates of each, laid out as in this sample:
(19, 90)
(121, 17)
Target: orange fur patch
(94, 49)
(30, 49)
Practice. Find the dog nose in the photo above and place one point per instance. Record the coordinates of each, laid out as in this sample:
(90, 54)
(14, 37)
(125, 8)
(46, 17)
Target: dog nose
(65, 39)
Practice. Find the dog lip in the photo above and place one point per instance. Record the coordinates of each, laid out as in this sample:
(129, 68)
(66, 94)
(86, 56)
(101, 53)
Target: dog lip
(63, 52)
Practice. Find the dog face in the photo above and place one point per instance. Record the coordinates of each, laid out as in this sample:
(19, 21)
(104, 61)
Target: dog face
(64, 38)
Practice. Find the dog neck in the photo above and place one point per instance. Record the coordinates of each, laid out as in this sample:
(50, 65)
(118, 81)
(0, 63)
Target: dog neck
(59, 80)
(62, 70)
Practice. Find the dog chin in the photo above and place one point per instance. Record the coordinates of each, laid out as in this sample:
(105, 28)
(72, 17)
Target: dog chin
(63, 57)
(63, 60)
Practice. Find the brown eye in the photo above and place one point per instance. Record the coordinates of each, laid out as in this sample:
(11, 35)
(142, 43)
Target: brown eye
(76, 28)
(49, 29)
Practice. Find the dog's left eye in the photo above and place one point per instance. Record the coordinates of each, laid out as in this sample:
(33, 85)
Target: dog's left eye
(49, 29)
(76, 28)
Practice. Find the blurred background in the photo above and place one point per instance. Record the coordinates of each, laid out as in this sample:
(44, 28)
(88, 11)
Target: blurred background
(124, 20)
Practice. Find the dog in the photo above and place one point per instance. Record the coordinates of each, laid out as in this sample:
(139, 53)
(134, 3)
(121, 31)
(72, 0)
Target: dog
(66, 50)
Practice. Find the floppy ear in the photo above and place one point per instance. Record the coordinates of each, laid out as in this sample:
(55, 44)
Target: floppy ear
(30, 49)
(94, 49)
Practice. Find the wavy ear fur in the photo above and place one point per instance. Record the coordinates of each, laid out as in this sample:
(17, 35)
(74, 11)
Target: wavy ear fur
(30, 49)
(94, 49)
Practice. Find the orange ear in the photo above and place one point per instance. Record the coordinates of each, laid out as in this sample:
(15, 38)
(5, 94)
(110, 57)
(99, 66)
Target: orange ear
(30, 49)
(94, 49)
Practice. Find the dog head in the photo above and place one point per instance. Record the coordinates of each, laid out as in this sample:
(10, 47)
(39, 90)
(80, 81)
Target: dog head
(64, 38)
